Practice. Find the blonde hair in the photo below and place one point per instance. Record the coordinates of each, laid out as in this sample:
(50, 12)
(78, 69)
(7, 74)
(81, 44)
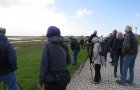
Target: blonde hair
(120, 35)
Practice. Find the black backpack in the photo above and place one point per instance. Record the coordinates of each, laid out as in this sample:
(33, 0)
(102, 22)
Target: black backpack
(104, 48)
(2, 55)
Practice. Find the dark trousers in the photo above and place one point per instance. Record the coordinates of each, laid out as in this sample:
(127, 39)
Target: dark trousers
(116, 59)
(55, 86)
(97, 76)
(112, 56)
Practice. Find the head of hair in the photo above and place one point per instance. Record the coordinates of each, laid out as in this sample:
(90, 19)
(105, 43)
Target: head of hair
(95, 31)
(2, 30)
(119, 35)
(114, 31)
(128, 28)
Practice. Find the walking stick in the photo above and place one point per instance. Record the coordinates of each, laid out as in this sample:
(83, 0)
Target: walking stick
(20, 86)
(91, 70)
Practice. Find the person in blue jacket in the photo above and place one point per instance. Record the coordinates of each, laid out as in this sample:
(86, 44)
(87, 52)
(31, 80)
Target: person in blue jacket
(8, 64)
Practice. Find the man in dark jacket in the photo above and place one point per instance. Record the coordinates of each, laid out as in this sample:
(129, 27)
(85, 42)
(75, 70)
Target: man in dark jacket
(82, 43)
(112, 38)
(55, 58)
(130, 50)
(8, 63)
(75, 47)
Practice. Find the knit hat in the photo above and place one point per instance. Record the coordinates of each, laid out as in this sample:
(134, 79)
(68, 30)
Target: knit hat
(53, 31)
(2, 30)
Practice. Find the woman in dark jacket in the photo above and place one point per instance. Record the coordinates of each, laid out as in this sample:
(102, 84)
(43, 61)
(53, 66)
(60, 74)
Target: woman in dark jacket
(117, 48)
(55, 58)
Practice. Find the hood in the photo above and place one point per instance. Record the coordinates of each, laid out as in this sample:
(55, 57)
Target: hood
(95, 40)
(3, 37)
(56, 39)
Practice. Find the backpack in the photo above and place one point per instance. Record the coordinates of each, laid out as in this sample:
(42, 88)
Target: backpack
(2, 55)
(104, 48)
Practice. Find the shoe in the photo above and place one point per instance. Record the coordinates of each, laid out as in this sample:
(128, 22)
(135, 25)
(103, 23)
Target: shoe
(129, 82)
(115, 75)
(111, 62)
(95, 82)
(120, 82)
(74, 64)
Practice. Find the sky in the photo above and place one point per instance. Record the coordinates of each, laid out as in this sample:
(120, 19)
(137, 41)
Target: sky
(73, 17)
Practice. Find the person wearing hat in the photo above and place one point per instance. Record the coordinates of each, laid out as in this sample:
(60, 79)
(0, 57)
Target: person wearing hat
(54, 61)
(97, 59)
(130, 50)
(8, 64)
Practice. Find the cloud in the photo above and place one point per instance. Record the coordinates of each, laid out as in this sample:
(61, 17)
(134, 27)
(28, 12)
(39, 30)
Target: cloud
(83, 12)
(135, 19)
(31, 17)
(137, 16)
(7, 3)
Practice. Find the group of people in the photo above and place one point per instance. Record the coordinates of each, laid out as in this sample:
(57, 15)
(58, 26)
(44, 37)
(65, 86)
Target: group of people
(122, 48)
(55, 58)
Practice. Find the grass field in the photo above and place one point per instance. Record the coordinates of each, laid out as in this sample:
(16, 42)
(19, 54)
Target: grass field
(28, 59)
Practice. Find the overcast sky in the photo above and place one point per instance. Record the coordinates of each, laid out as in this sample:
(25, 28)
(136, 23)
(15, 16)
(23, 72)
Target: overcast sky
(73, 17)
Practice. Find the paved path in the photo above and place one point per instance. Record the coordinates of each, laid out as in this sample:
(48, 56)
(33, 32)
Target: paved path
(83, 81)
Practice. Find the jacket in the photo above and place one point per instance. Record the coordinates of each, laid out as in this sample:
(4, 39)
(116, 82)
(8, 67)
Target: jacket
(117, 46)
(55, 57)
(130, 45)
(10, 64)
(98, 59)
(91, 37)
(74, 44)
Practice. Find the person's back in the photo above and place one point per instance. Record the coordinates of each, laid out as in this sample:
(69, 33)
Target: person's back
(75, 47)
(57, 54)
(7, 62)
(55, 57)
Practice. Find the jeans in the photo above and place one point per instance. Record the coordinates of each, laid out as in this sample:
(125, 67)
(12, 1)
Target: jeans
(116, 59)
(129, 63)
(10, 81)
(97, 76)
(75, 53)
(55, 86)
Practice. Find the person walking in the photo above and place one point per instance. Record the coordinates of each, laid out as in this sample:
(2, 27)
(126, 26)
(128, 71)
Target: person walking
(130, 50)
(55, 58)
(117, 48)
(82, 43)
(75, 47)
(97, 59)
(8, 64)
